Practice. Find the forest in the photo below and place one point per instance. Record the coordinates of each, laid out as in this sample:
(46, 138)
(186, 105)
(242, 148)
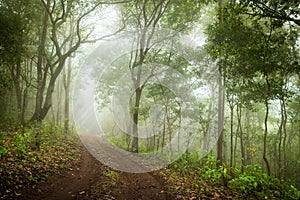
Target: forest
(149, 99)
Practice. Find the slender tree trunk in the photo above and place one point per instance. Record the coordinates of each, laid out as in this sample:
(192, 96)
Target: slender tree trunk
(265, 139)
(266, 128)
(24, 106)
(135, 142)
(285, 165)
(67, 85)
(163, 135)
(240, 130)
(138, 88)
(231, 135)
(280, 140)
(220, 102)
(220, 121)
(235, 147)
(247, 142)
(206, 143)
(67, 77)
(58, 103)
(180, 119)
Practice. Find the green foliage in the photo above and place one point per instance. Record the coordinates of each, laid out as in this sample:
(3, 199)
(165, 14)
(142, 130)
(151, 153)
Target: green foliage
(255, 55)
(112, 174)
(191, 175)
(181, 14)
(254, 181)
(11, 36)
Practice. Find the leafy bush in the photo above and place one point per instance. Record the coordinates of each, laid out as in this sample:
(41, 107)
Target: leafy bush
(206, 178)
(254, 181)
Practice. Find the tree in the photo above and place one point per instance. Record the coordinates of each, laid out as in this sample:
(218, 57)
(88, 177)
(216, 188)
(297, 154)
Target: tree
(55, 16)
(13, 35)
(258, 51)
(147, 17)
(281, 10)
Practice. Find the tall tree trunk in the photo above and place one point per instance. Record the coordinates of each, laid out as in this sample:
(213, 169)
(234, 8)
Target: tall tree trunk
(240, 130)
(285, 165)
(231, 135)
(280, 133)
(247, 142)
(235, 147)
(138, 87)
(266, 125)
(220, 102)
(40, 79)
(15, 72)
(67, 77)
(135, 142)
(265, 138)
(220, 122)
(67, 84)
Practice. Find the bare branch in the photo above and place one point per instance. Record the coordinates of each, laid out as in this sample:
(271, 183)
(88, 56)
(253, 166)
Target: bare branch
(105, 36)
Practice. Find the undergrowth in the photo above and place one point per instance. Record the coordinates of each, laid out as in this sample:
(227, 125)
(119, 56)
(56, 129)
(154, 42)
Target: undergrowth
(29, 155)
(192, 177)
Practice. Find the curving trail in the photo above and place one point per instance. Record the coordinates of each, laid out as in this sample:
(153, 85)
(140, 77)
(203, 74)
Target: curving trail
(88, 180)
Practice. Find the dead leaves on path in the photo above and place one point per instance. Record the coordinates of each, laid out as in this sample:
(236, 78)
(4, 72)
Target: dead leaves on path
(188, 187)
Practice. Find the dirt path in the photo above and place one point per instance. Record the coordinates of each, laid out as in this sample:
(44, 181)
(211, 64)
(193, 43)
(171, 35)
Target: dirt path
(89, 180)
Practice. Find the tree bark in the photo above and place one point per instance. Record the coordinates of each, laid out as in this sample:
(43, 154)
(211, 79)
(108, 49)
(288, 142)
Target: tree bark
(266, 129)
(220, 102)
(239, 117)
(231, 135)
(67, 77)
(135, 142)
(40, 79)
(247, 142)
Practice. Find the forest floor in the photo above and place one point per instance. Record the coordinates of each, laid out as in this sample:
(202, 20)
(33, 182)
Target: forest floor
(88, 178)
(63, 168)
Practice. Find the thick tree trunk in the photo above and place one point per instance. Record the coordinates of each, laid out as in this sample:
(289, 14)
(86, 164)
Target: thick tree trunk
(37, 116)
